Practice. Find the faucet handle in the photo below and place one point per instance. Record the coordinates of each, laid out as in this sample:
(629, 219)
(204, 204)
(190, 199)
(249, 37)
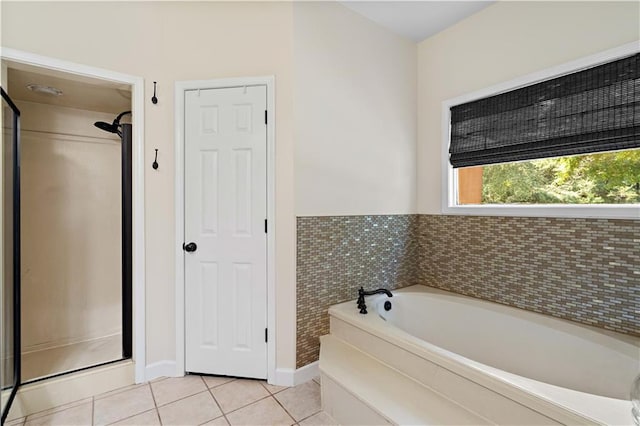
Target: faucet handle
(361, 303)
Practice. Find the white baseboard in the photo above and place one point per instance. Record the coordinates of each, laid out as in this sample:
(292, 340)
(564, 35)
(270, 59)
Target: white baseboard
(306, 373)
(291, 377)
(283, 377)
(160, 369)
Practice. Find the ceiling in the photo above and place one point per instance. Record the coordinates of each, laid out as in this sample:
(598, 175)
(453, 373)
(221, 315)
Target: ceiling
(77, 91)
(416, 20)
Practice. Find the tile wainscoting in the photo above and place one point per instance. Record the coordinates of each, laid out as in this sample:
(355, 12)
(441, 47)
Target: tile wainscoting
(584, 270)
(337, 255)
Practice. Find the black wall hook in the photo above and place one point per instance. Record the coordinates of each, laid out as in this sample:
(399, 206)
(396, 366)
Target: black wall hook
(155, 162)
(154, 99)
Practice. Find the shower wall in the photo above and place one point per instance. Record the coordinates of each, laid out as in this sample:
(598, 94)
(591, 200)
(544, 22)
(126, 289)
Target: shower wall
(71, 227)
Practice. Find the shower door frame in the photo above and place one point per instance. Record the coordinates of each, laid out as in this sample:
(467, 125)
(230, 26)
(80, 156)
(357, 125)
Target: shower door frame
(15, 153)
(137, 323)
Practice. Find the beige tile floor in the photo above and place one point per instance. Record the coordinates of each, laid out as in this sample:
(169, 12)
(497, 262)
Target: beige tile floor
(192, 400)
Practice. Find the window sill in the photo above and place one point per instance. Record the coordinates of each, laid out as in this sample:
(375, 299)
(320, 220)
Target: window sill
(602, 211)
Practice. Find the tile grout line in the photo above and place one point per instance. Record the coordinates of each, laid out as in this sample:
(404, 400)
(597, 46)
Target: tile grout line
(246, 405)
(233, 379)
(305, 418)
(129, 417)
(155, 404)
(220, 408)
(142, 412)
(302, 420)
(285, 410)
(207, 388)
(284, 388)
(58, 409)
(118, 391)
(182, 398)
(218, 404)
(187, 396)
(214, 400)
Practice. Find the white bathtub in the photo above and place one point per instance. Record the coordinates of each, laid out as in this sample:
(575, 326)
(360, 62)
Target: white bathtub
(565, 371)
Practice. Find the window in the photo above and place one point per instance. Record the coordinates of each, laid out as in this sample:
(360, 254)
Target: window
(546, 145)
(603, 178)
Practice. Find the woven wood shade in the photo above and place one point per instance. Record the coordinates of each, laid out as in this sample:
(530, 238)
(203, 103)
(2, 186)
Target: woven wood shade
(594, 110)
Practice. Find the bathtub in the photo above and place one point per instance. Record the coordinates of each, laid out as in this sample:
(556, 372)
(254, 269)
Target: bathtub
(469, 351)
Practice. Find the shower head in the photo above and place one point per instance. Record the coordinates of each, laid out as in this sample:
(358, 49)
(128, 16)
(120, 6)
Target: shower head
(113, 127)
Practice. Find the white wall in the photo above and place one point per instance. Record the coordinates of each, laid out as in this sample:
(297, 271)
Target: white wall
(354, 110)
(166, 42)
(501, 42)
(71, 221)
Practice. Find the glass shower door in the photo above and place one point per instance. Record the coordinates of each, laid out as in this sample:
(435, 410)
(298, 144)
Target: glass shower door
(9, 255)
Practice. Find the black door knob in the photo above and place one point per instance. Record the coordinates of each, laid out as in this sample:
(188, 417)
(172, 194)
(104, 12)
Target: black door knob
(191, 247)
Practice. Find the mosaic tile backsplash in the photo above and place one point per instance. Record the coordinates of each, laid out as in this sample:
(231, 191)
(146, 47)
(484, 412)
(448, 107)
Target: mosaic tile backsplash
(337, 255)
(584, 270)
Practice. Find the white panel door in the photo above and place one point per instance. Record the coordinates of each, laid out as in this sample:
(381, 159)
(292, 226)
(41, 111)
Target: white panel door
(225, 213)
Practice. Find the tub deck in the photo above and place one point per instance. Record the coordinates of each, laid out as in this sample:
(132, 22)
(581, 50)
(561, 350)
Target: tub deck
(490, 393)
(397, 398)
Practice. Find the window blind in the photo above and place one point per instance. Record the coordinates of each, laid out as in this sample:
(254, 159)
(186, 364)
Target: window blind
(593, 110)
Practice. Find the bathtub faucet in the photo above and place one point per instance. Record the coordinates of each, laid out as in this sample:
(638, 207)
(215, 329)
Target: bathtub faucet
(361, 294)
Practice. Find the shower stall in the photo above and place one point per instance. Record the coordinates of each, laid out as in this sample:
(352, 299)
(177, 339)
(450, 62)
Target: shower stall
(76, 254)
(67, 296)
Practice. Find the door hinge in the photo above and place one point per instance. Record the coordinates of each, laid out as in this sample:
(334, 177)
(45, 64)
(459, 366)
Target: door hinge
(266, 335)
(265, 226)
(265, 116)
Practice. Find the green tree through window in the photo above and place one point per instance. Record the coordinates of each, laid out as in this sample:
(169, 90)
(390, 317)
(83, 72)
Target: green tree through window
(603, 178)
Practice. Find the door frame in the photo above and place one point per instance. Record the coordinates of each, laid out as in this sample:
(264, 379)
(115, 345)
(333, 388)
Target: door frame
(137, 120)
(180, 88)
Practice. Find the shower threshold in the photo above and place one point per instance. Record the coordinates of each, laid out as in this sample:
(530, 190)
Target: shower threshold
(45, 363)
